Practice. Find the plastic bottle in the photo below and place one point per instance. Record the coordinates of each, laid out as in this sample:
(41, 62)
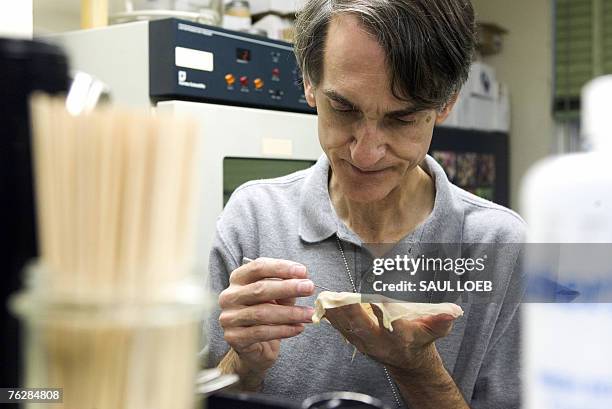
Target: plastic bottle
(567, 353)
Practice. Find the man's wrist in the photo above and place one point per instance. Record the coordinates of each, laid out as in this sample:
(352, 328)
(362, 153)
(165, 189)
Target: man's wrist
(425, 365)
(250, 379)
(428, 384)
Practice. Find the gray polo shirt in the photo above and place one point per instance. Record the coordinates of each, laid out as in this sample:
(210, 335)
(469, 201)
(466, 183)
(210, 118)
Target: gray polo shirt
(292, 218)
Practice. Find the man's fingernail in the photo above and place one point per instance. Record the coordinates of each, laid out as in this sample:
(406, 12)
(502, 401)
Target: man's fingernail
(298, 269)
(308, 312)
(305, 286)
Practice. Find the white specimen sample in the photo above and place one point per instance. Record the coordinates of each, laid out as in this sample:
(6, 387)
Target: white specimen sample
(391, 309)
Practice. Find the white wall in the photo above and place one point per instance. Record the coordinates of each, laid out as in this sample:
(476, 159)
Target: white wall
(525, 65)
(16, 18)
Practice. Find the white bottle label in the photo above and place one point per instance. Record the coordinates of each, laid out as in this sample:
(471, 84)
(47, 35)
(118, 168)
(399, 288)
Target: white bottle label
(567, 358)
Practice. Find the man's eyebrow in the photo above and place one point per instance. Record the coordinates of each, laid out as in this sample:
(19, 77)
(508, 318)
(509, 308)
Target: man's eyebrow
(334, 95)
(331, 94)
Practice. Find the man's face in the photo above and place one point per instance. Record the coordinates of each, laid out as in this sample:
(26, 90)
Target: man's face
(373, 140)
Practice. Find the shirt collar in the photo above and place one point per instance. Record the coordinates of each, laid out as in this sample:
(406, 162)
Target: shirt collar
(317, 215)
(318, 219)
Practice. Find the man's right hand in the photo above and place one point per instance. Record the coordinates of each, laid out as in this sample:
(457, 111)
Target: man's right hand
(258, 310)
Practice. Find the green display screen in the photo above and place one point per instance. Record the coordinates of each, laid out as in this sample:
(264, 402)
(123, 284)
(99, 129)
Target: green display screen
(237, 171)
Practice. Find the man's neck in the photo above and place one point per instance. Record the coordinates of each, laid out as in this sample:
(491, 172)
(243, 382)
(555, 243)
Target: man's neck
(390, 219)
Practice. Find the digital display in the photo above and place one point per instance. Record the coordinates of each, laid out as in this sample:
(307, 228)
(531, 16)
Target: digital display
(243, 55)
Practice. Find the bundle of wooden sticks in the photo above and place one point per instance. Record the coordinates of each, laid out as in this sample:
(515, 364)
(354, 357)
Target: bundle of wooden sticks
(115, 195)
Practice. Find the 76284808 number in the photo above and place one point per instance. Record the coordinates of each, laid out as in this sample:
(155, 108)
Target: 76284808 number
(33, 395)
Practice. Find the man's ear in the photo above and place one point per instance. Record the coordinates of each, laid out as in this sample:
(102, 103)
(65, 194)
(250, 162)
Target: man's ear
(309, 93)
(446, 110)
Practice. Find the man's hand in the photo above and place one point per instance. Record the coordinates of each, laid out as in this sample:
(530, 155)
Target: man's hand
(405, 349)
(258, 310)
(408, 352)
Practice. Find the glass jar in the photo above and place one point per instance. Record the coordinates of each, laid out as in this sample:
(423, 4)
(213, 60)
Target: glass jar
(201, 11)
(106, 354)
(237, 15)
(238, 8)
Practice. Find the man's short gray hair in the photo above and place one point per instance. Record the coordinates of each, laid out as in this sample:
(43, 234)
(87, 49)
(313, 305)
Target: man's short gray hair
(428, 43)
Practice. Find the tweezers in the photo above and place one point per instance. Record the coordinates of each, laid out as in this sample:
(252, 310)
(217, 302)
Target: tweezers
(246, 260)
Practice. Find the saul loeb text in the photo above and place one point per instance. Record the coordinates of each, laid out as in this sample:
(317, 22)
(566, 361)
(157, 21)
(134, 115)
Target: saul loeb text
(426, 286)
(416, 274)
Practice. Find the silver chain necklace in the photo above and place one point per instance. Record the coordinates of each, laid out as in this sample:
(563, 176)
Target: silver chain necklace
(350, 276)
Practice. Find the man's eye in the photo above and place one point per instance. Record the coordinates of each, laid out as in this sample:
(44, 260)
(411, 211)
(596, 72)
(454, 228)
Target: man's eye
(405, 121)
(336, 106)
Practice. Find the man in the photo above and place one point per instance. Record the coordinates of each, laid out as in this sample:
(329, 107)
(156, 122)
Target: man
(381, 74)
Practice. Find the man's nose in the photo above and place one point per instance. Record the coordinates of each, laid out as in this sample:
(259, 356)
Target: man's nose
(368, 146)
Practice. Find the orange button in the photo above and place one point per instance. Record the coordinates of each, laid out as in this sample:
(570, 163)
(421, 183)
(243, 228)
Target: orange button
(258, 83)
(230, 79)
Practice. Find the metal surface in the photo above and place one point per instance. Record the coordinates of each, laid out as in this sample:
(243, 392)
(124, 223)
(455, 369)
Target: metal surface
(340, 400)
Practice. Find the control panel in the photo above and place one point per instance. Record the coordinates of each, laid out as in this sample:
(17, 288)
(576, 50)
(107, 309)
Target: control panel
(191, 61)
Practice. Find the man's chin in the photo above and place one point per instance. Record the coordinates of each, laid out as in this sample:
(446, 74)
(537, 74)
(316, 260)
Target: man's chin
(364, 189)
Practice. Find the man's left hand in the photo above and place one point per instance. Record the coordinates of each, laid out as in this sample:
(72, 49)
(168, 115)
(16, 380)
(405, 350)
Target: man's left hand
(406, 349)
